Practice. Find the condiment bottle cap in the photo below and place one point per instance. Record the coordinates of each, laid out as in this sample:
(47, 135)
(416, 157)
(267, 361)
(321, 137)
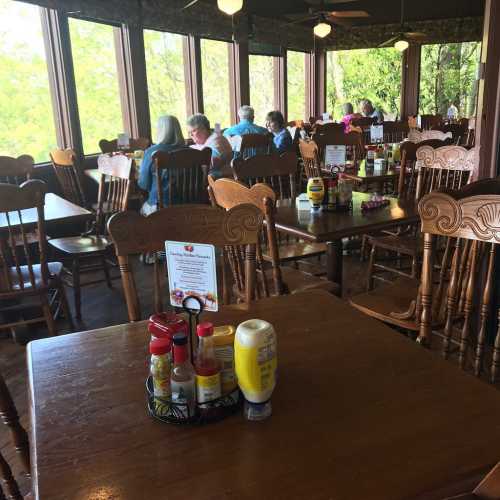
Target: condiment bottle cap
(205, 329)
(180, 339)
(160, 346)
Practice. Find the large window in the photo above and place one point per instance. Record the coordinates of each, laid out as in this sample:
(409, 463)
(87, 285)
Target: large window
(296, 76)
(215, 74)
(373, 74)
(448, 75)
(165, 71)
(26, 118)
(261, 71)
(96, 78)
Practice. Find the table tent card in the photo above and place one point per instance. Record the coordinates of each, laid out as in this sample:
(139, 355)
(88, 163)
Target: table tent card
(335, 155)
(123, 141)
(376, 133)
(192, 272)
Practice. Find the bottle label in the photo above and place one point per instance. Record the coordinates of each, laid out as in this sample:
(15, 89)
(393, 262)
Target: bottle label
(225, 356)
(207, 388)
(160, 371)
(183, 393)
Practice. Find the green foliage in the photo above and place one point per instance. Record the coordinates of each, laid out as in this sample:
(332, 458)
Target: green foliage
(215, 75)
(296, 77)
(261, 86)
(448, 74)
(373, 74)
(26, 119)
(96, 79)
(165, 73)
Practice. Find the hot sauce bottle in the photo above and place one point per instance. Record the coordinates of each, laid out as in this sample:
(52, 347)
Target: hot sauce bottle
(206, 366)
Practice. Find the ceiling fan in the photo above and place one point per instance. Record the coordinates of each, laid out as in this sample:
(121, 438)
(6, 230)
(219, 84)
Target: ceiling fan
(402, 38)
(326, 16)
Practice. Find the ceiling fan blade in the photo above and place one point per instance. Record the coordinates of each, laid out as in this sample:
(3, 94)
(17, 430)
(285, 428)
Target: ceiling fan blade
(415, 34)
(349, 13)
(190, 4)
(338, 20)
(390, 42)
(302, 20)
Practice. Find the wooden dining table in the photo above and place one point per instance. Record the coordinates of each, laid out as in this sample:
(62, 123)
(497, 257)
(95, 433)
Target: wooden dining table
(332, 226)
(365, 176)
(359, 412)
(57, 210)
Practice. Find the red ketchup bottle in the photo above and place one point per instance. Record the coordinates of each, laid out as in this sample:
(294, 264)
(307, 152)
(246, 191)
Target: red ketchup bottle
(206, 366)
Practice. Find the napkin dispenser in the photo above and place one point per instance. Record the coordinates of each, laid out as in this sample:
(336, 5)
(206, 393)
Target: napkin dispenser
(302, 202)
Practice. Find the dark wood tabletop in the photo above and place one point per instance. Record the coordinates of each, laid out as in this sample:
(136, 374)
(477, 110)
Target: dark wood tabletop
(359, 412)
(57, 209)
(328, 226)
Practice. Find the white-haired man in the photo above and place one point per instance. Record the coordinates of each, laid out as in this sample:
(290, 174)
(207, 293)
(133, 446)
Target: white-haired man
(246, 125)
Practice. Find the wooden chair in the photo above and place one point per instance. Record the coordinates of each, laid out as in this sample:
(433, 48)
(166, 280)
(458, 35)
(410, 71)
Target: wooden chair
(185, 172)
(429, 121)
(19, 438)
(424, 135)
(228, 193)
(487, 489)
(255, 144)
(83, 250)
(68, 175)
(279, 172)
(458, 131)
(310, 160)
(21, 279)
(444, 167)
(16, 170)
(363, 122)
(134, 144)
(395, 131)
(335, 137)
(236, 229)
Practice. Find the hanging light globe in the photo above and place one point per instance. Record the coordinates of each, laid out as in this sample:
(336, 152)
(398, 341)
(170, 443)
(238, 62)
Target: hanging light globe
(230, 7)
(401, 45)
(322, 29)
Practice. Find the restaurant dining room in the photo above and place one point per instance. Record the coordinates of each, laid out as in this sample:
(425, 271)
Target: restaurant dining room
(248, 249)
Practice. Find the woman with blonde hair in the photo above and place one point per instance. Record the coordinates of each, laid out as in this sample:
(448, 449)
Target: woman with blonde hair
(168, 138)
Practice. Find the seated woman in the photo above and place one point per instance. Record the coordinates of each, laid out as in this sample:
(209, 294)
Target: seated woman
(203, 137)
(281, 137)
(349, 115)
(168, 138)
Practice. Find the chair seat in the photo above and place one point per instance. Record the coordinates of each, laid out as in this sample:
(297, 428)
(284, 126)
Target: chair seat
(81, 244)
(55, 269)
(298, 250)
(407, 244)
(298, 281)
(396, 297)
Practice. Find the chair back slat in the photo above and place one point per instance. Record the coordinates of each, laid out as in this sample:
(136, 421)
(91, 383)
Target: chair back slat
(133, 233)
(186, 171)
(16, 170)
(134, 144)
(16, 261)
(68, 175)
(395, 131)
(269, 169)
(471, 217)
(310, 159)
(427, 122)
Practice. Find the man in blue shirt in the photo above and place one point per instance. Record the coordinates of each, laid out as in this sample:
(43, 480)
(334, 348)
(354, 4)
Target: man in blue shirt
(246, 125)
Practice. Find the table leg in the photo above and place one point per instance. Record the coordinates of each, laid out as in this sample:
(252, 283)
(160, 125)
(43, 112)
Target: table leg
(334, 255)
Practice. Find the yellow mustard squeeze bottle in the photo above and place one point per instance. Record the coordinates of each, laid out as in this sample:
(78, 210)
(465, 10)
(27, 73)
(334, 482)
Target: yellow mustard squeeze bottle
(256, 363)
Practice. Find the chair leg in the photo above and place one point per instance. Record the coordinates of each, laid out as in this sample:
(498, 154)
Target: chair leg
(76, 288)
(8, 481)
(65, 306)
(106, 271)
(364, 242)
(369, 282)
(47, 313)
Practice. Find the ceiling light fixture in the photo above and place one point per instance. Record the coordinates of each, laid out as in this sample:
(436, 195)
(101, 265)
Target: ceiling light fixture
(322, 29)
(401, 45)
(230, 7)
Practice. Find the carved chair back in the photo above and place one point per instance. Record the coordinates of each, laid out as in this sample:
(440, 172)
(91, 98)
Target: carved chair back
(16, 170)
(19, 275)
(255, 144)
(353, 140)
(228, 193)
(470, 218)
(134, 144)
(237, 229)
(277, 170)
(415, 135)
(458, 131)
(182, 175)
(310, 159)
(407, 183)
(114, 187)
(445, 167)
(68, 175)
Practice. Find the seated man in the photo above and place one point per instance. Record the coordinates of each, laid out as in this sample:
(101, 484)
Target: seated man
(367, 109)
(281, 136)
(203, 137)
(246, 125)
